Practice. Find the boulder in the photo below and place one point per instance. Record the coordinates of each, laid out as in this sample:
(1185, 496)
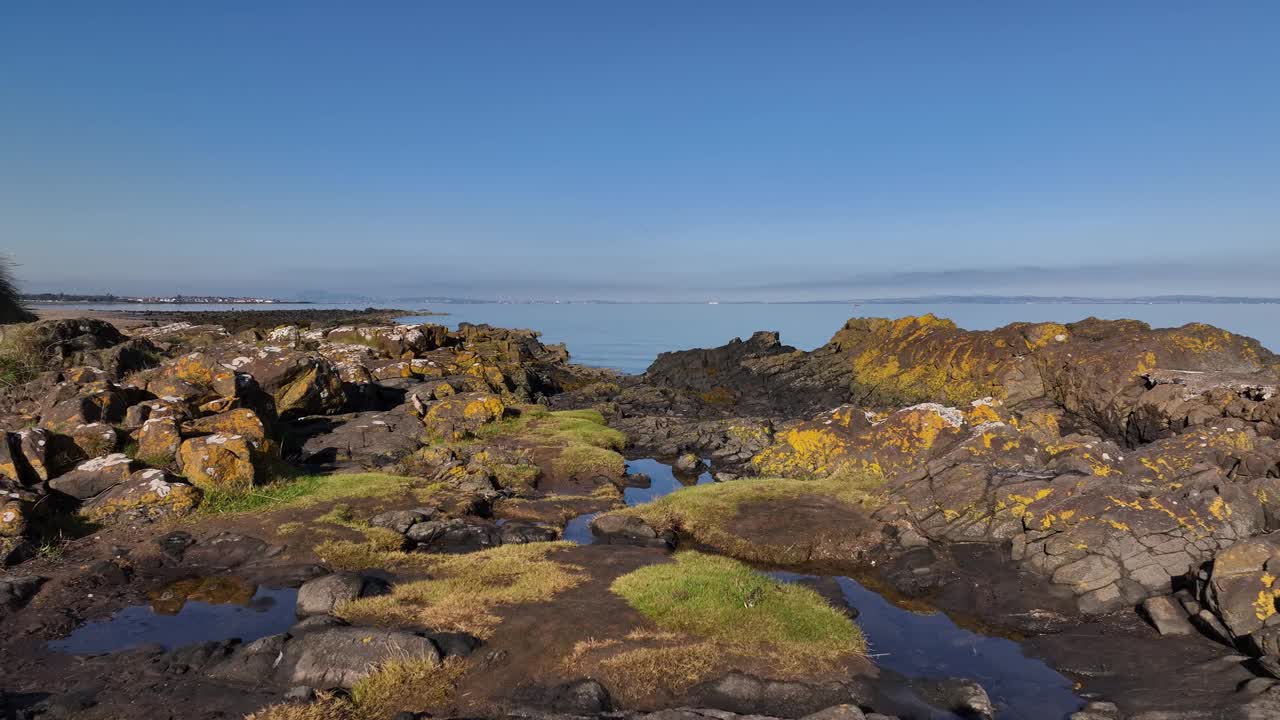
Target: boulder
(581, 697)
(459, 416)
(1167, 616)
(196, 377)
(16, 590)
(23, 457)
(1242, 588)
(519, 533)
(145, 496)
(94, 476)
(620, 529)
(158, 440)
(14, 516)
(94, 439)
(241, 421)
(226, 550)
(95, 403)
(400, 520)
(322, 595)
(455, 535)
(299, 383)
(218, 462)
(252, 662)
(14, 550)
(687, 463)
(364, 439)
(337, 657)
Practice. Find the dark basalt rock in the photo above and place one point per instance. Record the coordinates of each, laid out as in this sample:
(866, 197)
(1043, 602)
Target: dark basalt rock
(454, 536)
(613, 529)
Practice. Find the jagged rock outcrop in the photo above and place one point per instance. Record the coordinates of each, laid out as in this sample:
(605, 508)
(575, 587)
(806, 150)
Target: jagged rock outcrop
(1110, 456)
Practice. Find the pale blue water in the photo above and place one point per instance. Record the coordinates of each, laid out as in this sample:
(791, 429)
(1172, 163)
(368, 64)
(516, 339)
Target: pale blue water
(629, 337)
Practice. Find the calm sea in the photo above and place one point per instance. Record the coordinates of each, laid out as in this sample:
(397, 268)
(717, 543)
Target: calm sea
(629, 337)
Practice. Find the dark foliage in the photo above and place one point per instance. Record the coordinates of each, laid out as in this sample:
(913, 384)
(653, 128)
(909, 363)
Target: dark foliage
(11, 310)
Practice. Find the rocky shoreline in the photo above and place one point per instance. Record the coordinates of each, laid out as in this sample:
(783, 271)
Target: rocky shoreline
(1102, 492)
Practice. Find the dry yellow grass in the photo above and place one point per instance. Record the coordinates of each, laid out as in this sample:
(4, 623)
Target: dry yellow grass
(416, 686)
(464, 590)
(413, 685)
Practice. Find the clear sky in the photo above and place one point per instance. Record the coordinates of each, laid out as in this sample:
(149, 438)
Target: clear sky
(641, 149)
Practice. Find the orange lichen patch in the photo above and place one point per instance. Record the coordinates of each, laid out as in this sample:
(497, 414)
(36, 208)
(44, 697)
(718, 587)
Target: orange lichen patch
(1192, 521)
(200, 369)
(1174, 457)
(1265, 605)
(982, 411)
(914, 429)
(1018, 504)
(821, 447)
(801, 453)
(1042, 334)
(242, 421)
(925, 358)
(846, 415)
(218, 462)
(1146, 363)
(1199, 338)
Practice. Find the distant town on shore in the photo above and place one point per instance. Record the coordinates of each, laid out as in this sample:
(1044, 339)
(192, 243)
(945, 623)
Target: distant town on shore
(110, 299)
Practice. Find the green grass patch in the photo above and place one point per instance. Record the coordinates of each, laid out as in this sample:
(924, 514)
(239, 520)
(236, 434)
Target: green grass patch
(585, 461)
(721, 599)
(305, 490)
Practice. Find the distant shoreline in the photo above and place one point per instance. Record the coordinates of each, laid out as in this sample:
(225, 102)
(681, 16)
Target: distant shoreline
(42, 300)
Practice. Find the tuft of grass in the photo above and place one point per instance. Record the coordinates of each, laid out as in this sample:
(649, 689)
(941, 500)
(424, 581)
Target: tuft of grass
(465, 590)
(411, 685)
(19, 362)
(633, 673)
(305, 490)
(725, 601)
(584, 461)
(705, 513)
(349, 555)
(325, 707)
(402, 685)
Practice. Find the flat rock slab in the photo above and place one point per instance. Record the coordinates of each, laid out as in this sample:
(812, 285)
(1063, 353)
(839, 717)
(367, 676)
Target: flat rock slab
(338, 657)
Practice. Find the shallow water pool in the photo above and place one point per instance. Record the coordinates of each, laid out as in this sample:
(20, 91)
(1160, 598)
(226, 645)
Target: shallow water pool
(187, 612)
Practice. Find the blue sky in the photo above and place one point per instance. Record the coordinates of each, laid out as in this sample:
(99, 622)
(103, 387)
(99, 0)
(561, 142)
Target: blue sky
(652, 150)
